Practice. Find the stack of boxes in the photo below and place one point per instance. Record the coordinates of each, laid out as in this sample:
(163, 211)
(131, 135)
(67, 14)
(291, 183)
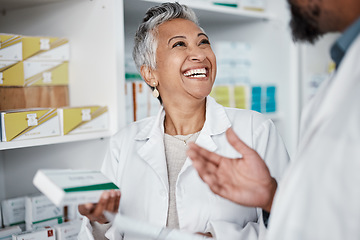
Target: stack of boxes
(34, 91)
(33, 72)
(36, 217)
(233, 86)
(138, 96)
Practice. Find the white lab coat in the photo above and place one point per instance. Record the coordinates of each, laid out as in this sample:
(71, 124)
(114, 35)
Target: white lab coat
(319, 197)
(136, 163)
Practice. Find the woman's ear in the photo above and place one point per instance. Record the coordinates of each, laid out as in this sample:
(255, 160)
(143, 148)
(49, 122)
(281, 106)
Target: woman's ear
(148, 74)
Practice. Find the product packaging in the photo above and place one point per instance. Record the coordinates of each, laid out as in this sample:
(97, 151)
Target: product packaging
(13, 211)
(33, 48)
(68, 230)
(6, 233)
(69, 187)
(29, 124)
(47, 233)
(10, 50)
(28, 73)
(75, 120)
(41, 212)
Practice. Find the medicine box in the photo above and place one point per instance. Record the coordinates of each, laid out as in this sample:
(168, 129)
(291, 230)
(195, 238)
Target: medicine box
(41, 212)
(68, 230)
(14, 212)
(27, 73)
(39, 234)
(33, 97)
(67, 187)
(10, 48)
(6, 233)
(34, 48)
(75, 120)
(29, 124)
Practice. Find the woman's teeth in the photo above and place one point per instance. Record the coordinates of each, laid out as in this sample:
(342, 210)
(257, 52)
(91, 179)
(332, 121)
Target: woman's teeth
(201, 72)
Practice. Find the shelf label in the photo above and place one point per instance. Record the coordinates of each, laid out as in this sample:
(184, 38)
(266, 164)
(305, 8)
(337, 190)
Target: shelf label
(44, 43)
(86, 114)
(47, 77)
(32, 119)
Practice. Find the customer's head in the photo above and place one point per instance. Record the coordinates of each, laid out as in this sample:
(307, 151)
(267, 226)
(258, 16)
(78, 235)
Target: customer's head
(310, 19)
(173, 53)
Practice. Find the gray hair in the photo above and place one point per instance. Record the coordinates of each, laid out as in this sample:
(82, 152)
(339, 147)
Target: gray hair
(144, 52)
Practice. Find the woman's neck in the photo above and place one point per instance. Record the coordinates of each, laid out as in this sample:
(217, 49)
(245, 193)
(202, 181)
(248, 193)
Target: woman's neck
(184, 119)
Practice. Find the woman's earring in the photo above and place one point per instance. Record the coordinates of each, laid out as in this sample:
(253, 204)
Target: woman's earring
(155, 92)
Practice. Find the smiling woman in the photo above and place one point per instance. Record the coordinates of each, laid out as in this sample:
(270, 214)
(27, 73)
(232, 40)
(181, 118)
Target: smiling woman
(147, 160)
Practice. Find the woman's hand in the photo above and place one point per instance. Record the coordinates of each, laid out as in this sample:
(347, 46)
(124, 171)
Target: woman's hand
(245, 180)
(109, 201)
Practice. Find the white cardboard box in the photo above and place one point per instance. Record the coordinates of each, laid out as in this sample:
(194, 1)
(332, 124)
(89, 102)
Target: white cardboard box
(68, 230)
(68, 186)
(6, 233)
(39, 234)
(13, 211)
(40, 212)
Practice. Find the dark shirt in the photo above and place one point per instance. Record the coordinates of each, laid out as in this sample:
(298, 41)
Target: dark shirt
(342, 44)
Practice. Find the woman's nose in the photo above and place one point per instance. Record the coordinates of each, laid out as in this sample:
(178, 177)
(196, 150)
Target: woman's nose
(197, 54)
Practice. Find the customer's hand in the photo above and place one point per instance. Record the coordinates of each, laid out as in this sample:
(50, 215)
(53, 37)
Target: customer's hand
(109, 201)
(246, 181)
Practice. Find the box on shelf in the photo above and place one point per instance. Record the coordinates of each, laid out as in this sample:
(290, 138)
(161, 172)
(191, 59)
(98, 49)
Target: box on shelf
(41, 212)
(10, 48)
(6, 233)
(27, 73)
(29, 124)
(75, 120)
(236, 96)
(47, 233)
(139, 101)
(68, 230)
(14, 212)
(33, 97)
(66, 186)
(34, 48)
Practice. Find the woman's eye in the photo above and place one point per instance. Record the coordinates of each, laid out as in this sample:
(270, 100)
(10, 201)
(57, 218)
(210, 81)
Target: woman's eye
(204, 41)
(179, 44)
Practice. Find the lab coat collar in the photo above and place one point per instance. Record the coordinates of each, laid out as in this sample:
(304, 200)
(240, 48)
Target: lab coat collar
(216, 122)
(153, 151)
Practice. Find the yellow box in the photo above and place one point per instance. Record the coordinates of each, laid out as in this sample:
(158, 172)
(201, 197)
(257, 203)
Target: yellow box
(27, 73)
(10, 47)
(29, 124)
(75, 120)
(34, 48)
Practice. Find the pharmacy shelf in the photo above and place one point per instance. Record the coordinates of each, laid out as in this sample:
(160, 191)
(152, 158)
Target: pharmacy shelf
(53, 140)
(205, 11)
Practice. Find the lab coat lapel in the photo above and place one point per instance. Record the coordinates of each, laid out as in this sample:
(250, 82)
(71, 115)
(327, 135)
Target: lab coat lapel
(216, 122)
(153, 151)
(332, 96)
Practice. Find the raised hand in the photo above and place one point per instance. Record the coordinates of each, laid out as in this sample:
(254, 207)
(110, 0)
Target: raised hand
(246, 181)
(109, 201)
